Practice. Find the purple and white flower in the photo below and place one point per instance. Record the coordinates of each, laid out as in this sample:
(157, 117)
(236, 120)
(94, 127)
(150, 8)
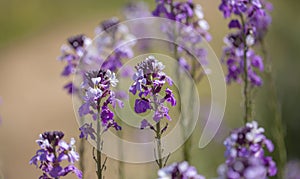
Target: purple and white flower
(149, 81)
(245, 154)
(179, 171)
(53, 151)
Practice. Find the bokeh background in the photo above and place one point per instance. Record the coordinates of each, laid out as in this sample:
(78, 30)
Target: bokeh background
(31, 34)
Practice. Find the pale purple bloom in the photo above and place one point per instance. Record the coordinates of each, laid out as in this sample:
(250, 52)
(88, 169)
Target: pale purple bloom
(71, 55)
(249, 33)
(292, 170)
(87, 130)
(55, 150)
(179, 171)
(189, 35)
(112, 37)
(245, 154)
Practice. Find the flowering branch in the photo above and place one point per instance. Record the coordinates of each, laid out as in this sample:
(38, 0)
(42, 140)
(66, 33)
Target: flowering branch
(149, 81)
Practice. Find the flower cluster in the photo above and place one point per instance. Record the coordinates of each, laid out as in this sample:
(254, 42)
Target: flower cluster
(251, 24)
(185, 12)
(245, 155)
(97, 97)
(135, 10)
(110, 50)
(54, 150)
(149, 81)
(188, 36)
(179, 171)
(111, 36)
(71, 55)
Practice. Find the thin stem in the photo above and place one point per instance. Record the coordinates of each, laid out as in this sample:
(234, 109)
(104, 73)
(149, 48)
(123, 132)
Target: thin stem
(81, 154)
(159, 149)
(187, 144)
(279, 129)
(158, 136)
(99, 165)
(246, 89)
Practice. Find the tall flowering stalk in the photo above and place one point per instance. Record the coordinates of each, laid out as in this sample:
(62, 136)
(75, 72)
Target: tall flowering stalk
(72, 53)
(149, 82)
(194, 30)
(109, 35)
(98, 97)
(52, 153)
(245, 154)
(250, 22)
(179, 171)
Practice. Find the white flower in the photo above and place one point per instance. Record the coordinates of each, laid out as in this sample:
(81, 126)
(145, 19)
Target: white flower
(250, 40)
(203, 25)
(198, 11)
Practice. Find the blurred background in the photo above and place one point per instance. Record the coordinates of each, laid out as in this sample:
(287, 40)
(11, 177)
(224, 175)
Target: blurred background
(33, 100)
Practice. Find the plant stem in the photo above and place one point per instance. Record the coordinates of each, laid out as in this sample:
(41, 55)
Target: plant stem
(279, 129)
(159, 159)
(81, 154)
(99, 165)
(159, 149)
(246, 90)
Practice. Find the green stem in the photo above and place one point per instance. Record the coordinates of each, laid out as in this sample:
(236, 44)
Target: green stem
(279, 129)
(99, 159)
(159, 149)
(159, 159)
(246, 89)
(81, 154)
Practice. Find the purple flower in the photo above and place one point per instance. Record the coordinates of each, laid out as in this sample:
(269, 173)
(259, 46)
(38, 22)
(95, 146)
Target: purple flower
(54, 150)
(292, 170)
(185, 12)
(145, 124)
(75, 52)
(71, 55)
(141, 105)
(96, 88)
(170, 97)
(245, 154)
(179, 171)
(250, 28)
(87, 130)
(148, 82)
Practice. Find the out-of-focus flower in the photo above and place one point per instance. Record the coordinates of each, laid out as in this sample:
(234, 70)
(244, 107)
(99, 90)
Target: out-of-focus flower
(109, 52)
(71, 55)
(179, 171)
(185, 12)
(245, 154)
(87, 130)
(189, 35)
(251, 24)
(53, 151)
(292, 170)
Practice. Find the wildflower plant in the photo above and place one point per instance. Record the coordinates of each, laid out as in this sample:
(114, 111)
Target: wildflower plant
(53, 151)
(245, 148)
(191, 35)
(179, 171)
(97, 100)
(245, 154)
(149, 83)
(250, 21)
